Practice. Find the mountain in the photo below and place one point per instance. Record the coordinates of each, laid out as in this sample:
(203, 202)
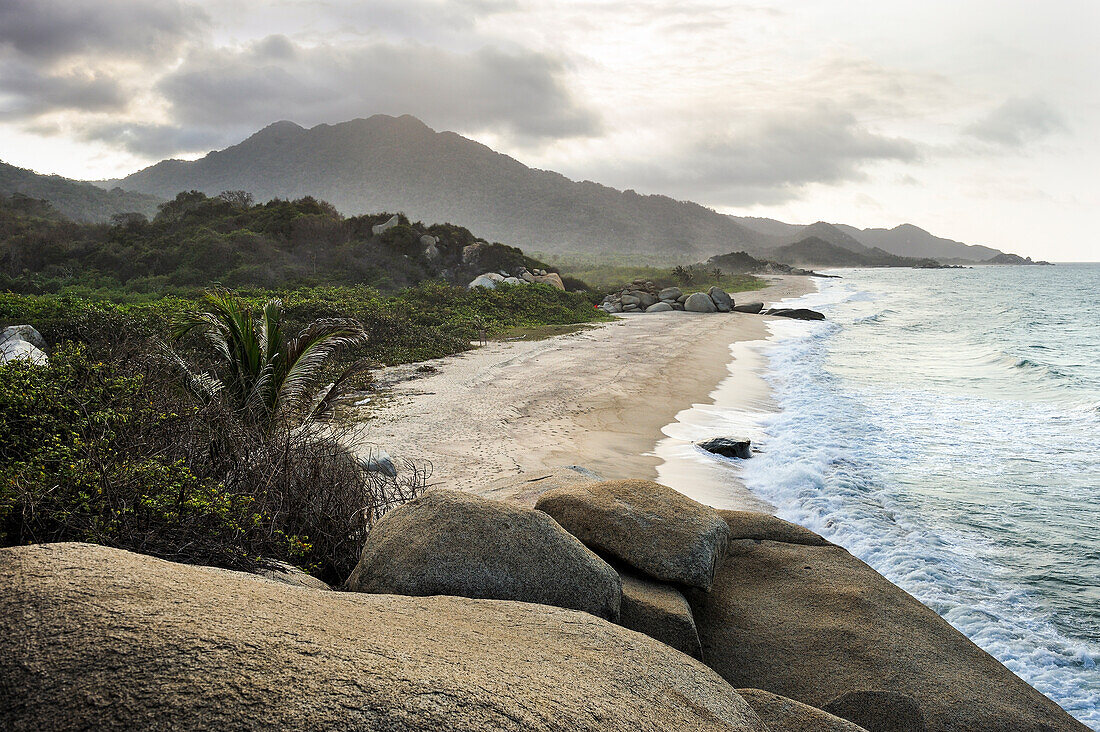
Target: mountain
(76, 200)
(388, 163)
(814, 251)
(905, 240)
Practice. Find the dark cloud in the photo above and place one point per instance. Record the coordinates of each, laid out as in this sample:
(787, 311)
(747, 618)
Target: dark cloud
(153, 140)
(29, 91)
(1018, 122)
(766, 161)
(519, 91)
(48, 30)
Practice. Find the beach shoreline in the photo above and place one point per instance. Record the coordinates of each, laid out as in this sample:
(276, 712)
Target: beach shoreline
(598, 398)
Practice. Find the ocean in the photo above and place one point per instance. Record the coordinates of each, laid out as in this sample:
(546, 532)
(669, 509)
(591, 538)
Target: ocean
(944, 427)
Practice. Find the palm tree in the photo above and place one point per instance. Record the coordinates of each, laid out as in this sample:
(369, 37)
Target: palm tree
(267, 377)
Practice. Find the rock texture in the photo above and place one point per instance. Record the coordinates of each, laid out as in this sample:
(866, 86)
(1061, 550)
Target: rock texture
(651, 527)
(781, 714)
(765, 527)
(879, 711)
(813, 623)
(749, 307)
(660, 611)
(454, 543)
(96, 638)
(26, 333)
(385, 226)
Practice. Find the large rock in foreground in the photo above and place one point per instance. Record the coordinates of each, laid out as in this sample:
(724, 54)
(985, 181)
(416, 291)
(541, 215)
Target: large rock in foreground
(699, 302)
(786, 715)
(96, 638)
(659, 611)
(813, 623)
(651, 527)
(454, 543)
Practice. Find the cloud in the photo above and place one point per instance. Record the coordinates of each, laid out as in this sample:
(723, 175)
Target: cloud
(275, 78)
(48, 30)
(766, 160)
(30, 91)
(1017, 122)
(154, 140)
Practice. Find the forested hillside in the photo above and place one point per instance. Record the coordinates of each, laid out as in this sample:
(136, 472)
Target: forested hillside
(76, 200)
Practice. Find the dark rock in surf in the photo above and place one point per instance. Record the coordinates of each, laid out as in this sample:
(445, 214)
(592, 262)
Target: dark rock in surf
(796, 313)
(728, 447)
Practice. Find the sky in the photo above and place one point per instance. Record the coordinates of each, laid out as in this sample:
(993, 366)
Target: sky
(973, 119)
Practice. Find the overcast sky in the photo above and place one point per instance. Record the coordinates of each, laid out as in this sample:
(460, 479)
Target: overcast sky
(976, 120)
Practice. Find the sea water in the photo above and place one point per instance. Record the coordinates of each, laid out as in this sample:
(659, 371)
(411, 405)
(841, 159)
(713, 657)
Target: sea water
(944, 427)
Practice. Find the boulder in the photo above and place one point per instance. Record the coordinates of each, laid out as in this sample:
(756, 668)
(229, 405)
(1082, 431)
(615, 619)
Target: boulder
(700, 302)
(645, 299)
(813, 623)
(678, 306)
(26, 333)
(610, 307)
(632, 308)
(454, 543)
(382, 228)
(728, 447)
(879, 711)
(630, 299)
(651, 527)
(781, 714)
(15, 349)
(671, 294)
(512, 281)
(796, 313)
(682, 299)
(527, 276)
(471, 252)
(483, 281)
(660, 611)
(379, 461)
(552, 278)
(749, 307)
(721, 299)
(765, 527)
(659, 307)
(98, 638)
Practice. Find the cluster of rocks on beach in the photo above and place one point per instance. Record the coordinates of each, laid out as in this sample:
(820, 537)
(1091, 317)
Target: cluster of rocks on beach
(522, 276)
(554, 601)
(643, 296)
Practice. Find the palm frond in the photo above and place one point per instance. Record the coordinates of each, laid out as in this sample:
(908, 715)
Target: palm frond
(327, 395)
(306, 356)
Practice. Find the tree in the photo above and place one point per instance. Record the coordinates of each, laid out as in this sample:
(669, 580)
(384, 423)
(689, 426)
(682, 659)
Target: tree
(683, 275)
(267, 377)
(717, 272)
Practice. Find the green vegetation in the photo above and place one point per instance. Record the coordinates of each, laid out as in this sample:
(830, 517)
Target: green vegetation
(610, 272)
(195, 240)
(76, 200)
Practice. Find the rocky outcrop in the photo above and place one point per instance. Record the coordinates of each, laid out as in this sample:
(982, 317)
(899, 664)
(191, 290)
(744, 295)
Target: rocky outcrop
(660, 611)
(660, 307)
(522, 276)
(379, 229)
(651, 527)
(813, 623)
(796, 313)
(290, 575)
(453, 543)
(22, 342)
(728, 447)
(97, 638)
(781, 714)
(765, 527)
(700, 302)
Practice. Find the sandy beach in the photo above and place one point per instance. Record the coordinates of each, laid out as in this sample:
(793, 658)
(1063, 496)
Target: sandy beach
(597, 398)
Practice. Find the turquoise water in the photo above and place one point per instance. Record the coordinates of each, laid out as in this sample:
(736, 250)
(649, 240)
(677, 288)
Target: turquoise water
(944, 426)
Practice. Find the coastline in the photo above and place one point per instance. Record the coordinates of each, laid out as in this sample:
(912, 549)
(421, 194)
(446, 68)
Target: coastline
(598, 398)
